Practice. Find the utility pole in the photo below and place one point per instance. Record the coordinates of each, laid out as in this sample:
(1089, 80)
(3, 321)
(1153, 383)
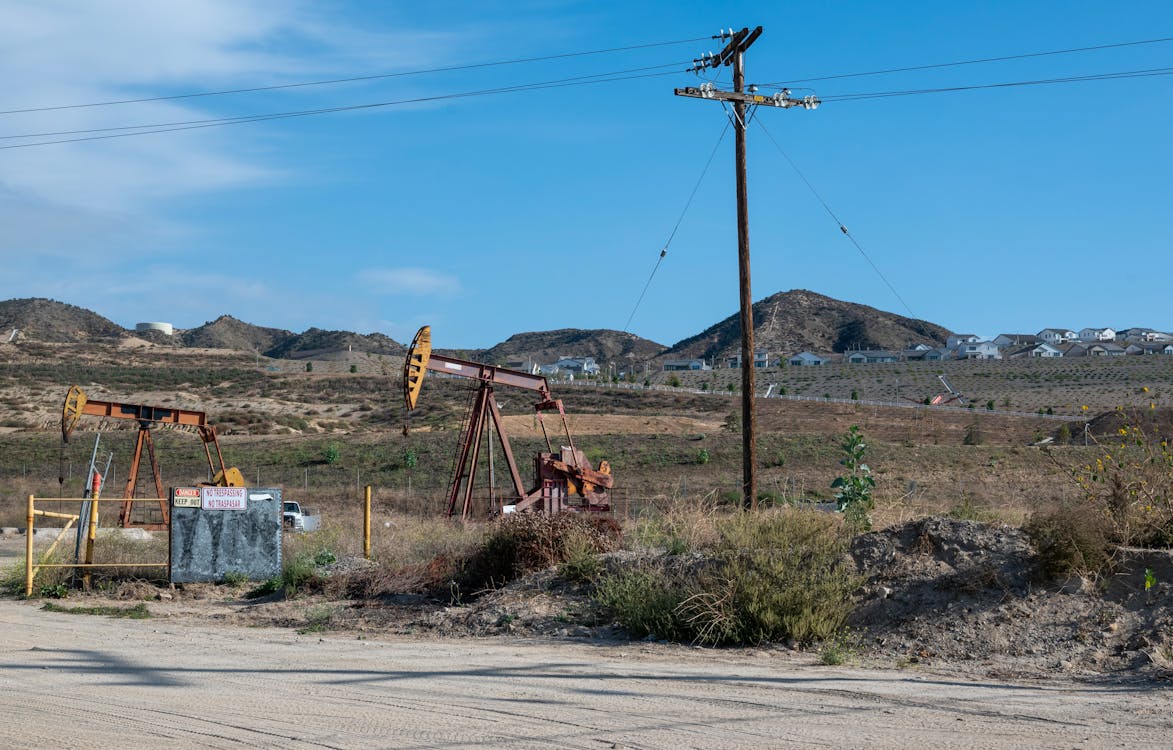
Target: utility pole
(733, 54)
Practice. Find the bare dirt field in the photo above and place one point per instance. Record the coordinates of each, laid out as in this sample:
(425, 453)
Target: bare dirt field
(72, 681)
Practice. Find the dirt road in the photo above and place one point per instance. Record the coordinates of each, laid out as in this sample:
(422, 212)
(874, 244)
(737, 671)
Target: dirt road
(84, 681)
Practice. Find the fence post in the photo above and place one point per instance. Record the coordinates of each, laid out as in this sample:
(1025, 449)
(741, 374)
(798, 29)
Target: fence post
(28, 550)
(92, 530)
(366, 523)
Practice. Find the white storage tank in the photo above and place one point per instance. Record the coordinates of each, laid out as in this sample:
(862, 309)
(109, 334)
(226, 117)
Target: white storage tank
(164, 328)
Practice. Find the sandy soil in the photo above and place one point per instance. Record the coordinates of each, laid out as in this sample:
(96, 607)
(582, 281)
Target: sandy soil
(83, 681)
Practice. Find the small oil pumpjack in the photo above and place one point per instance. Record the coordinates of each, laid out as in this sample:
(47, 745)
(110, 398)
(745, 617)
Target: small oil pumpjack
(565, 479)
(78, 404)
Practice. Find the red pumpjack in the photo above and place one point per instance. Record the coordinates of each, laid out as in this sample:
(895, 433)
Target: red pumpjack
(565, 479)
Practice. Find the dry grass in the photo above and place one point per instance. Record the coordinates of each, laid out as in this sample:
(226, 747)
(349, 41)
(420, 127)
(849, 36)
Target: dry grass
(110, 548)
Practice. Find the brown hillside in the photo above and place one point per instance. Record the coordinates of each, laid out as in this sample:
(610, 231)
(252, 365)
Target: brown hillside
(315, 341)
(226, 332)
(546, 346)
(47, 320)
(798, 320)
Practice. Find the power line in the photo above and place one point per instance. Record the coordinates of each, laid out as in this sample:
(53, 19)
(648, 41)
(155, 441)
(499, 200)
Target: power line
(978, 61)
(840, 224)
(1144, 73)
(352, 79)
(672, 235)
(135, 130)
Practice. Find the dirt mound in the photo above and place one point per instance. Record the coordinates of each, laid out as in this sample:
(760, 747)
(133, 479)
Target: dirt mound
(1156, 422)
(945, 591)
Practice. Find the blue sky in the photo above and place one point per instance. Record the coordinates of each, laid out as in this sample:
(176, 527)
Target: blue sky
(1008, 209)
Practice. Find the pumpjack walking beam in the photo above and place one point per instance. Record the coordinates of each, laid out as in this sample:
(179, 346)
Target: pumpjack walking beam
(77, 404)
(733, 55)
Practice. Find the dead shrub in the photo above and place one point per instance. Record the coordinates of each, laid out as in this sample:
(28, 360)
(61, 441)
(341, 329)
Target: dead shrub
(520, 543)
(1071, 541)
(1131, 486)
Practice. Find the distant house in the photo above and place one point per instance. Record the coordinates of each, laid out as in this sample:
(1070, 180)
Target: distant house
(1056, 335)
(915, 352)
(685, 364)
(522, 365)
(1143, 335)
(1097, 334)
(1045, 351)
(1155, 348)
(761, 358)
(938, 355)
(806, 359)
(548, 369)
(578, 365)
(871, 356)
(1093, 349)
(1007, 340)
(956, 339)
(978, 350)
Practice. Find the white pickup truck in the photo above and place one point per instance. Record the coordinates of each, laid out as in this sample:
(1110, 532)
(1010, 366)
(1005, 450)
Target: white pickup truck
(297, 519)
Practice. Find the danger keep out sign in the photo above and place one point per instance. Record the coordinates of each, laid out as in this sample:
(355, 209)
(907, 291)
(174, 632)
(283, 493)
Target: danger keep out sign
(223, 498)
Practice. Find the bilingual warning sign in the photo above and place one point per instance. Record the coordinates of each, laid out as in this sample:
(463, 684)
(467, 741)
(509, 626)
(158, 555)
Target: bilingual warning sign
(223, 498)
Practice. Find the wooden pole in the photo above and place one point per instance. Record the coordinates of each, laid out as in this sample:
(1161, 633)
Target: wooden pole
(366, 523)
(749, 485)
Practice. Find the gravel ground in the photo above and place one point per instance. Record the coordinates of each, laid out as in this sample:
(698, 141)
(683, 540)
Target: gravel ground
(94, 682)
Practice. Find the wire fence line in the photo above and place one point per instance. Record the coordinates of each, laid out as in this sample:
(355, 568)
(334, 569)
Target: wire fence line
(604, 385)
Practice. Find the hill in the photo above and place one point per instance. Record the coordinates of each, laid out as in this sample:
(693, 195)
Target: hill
(546, 346)
(226, 332)
(316, 341)
(39, 319)
(799, 320)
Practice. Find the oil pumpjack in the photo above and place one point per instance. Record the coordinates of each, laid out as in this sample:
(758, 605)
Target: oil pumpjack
(564, 479)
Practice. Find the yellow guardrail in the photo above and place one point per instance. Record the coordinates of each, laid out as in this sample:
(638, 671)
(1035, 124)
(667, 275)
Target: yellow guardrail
(31, 570)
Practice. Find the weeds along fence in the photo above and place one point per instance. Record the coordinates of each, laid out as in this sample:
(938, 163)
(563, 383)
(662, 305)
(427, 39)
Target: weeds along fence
(80, 525)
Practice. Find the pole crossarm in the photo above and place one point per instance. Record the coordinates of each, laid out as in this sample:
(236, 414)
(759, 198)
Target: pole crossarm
(781, 99)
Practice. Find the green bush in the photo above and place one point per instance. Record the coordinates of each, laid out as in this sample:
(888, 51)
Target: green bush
(582, 563)
(331, 454)
(854, 489)
(297, 574)
(646, 601)
(771, 576)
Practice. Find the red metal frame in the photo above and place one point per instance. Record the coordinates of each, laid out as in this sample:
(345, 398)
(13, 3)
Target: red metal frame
(559, 476)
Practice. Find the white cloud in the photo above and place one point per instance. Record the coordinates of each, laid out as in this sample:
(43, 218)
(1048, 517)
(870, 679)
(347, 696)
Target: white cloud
(416, 281)
(80, 52)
